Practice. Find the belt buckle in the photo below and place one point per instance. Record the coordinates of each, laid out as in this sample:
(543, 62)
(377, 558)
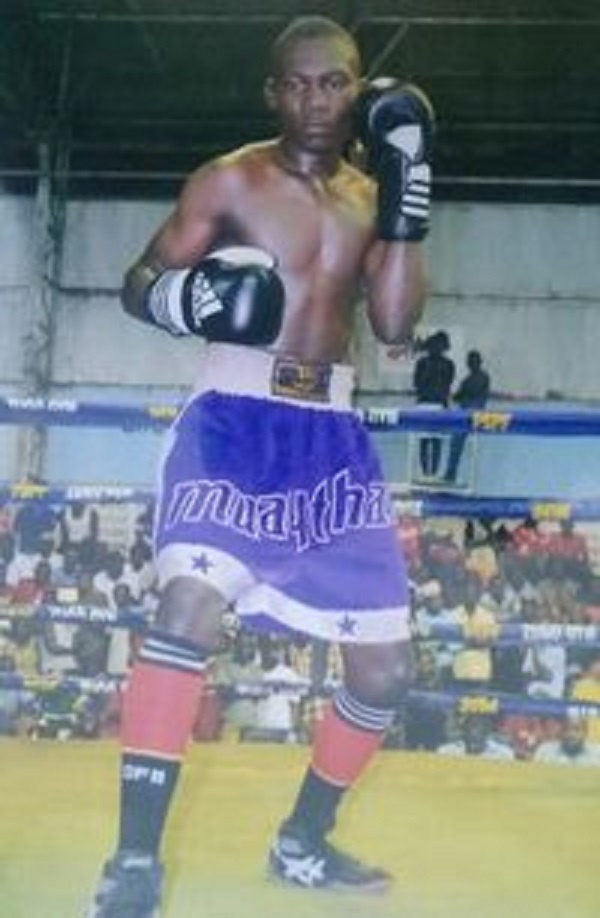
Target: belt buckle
(303, 381)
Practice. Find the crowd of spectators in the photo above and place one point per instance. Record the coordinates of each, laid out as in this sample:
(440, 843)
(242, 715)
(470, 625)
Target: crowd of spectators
(60, 674)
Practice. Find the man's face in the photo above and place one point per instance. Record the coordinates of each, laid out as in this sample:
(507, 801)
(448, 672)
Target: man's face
(313, 93)
(574, 736)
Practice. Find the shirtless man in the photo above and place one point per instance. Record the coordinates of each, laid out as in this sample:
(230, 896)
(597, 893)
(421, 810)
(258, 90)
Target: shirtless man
(271, 500)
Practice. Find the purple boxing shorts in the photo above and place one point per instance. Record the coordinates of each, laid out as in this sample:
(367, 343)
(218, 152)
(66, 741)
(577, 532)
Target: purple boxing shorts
(272, 493)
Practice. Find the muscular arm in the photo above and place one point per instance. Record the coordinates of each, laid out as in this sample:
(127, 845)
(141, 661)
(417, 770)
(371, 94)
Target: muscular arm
(185, 236)
(396, 289)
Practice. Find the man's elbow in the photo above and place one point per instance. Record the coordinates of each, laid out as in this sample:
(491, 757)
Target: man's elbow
(133, 293)
(397, 328)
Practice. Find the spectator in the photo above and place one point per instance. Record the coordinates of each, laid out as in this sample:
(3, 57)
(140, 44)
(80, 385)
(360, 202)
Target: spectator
(572, 747)
(78, 527)
(65, 580)
(424, 722)
(476, 739)
(571, 547)
(15, 700)
(138, 571)
(432, 380)
(278, 710)
(35, 522)
(120, 645)
(431, 610)
(23, 564)
(7, 536)
(90, 650)
(472, 665)
(587, 688)
(239, 675)
(111, 573)
(544, 665)
(473, 392)
(36, 589)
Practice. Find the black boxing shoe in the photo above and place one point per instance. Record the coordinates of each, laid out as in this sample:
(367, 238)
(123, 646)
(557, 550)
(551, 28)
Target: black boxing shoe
(129, 887)
(297, 861)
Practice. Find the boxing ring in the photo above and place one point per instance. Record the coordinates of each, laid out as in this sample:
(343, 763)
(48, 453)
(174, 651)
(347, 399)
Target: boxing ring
(464, 837)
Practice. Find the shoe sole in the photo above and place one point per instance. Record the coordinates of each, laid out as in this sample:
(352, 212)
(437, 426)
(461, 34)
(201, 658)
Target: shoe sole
(376, 888)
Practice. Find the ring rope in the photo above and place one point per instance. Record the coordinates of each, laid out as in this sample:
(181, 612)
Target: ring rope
(72, 413)
(426, 505)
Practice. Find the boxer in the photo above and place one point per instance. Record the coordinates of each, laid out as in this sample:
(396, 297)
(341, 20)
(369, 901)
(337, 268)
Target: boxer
(271, 499)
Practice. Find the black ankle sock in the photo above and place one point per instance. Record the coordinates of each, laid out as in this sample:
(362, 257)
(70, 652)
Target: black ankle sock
(316, 805)
(147, 784)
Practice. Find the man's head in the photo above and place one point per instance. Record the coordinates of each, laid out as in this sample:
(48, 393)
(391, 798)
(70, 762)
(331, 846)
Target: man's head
(476, 730)
(474, 361)
(574, 735)
(314, 79)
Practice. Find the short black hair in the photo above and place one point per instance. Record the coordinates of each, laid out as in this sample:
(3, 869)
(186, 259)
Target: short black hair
(305, 28)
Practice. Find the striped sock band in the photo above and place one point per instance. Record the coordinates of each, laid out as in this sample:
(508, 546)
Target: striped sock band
(172, 652)
(363, 716)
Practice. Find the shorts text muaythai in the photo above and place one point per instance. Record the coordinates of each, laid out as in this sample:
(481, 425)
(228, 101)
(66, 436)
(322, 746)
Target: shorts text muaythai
(275, 497)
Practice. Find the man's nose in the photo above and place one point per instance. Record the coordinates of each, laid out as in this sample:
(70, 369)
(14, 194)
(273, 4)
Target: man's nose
(316, 97)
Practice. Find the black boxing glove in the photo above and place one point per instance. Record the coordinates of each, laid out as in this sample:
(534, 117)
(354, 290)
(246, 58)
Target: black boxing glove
(233, 294)
(395, 123)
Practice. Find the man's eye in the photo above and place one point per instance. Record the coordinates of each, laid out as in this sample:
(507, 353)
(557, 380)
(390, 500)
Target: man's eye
(292, 85)
(337, 83)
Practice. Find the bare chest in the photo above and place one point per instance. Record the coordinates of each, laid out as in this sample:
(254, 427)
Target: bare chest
(308, 225)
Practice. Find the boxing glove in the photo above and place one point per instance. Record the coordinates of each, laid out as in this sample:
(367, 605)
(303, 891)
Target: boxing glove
(233, 294)
(395, 123)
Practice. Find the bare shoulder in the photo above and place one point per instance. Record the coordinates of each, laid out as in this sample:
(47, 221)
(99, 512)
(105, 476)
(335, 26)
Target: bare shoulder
(356, 186)
(235, 166)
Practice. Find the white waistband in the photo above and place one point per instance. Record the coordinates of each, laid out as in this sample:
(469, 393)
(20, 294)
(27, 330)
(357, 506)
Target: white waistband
(238, 370)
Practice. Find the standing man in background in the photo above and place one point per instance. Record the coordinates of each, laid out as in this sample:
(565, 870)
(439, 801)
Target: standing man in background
(473, 392)
(432, 380)
(271, 499)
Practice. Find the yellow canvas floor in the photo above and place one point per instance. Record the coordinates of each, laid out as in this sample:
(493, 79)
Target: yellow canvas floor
(466, 839)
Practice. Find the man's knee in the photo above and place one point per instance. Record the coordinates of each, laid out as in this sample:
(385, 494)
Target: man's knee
(380, 676)
(191, 609)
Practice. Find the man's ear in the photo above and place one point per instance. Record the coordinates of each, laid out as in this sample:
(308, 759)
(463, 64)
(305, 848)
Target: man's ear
(269, 93)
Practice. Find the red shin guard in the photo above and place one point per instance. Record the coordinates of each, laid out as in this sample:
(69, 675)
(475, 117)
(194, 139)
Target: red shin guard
(159, 710)
(342, 751)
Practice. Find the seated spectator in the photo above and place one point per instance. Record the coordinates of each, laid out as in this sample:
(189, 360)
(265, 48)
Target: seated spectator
(587, 688)
(138, 571)
(442, 553)
(120, 643)
(481, 552)
(279, 708)
(54, 642)
(544, 665)
(424, 722)
(90, 650)
(473, 663)
(7, 536)
(572, 747)
(409, 532)
(476, 739)
(110, 574)
(36, 589)
(118, 525)
(431, 609)
(571, 547)
(23, 564)
(21, 645)
(238, 674)
(78, 528)
(6, 590)
(15, 699)
(35, 522)
(65, 580)
(501, 599)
